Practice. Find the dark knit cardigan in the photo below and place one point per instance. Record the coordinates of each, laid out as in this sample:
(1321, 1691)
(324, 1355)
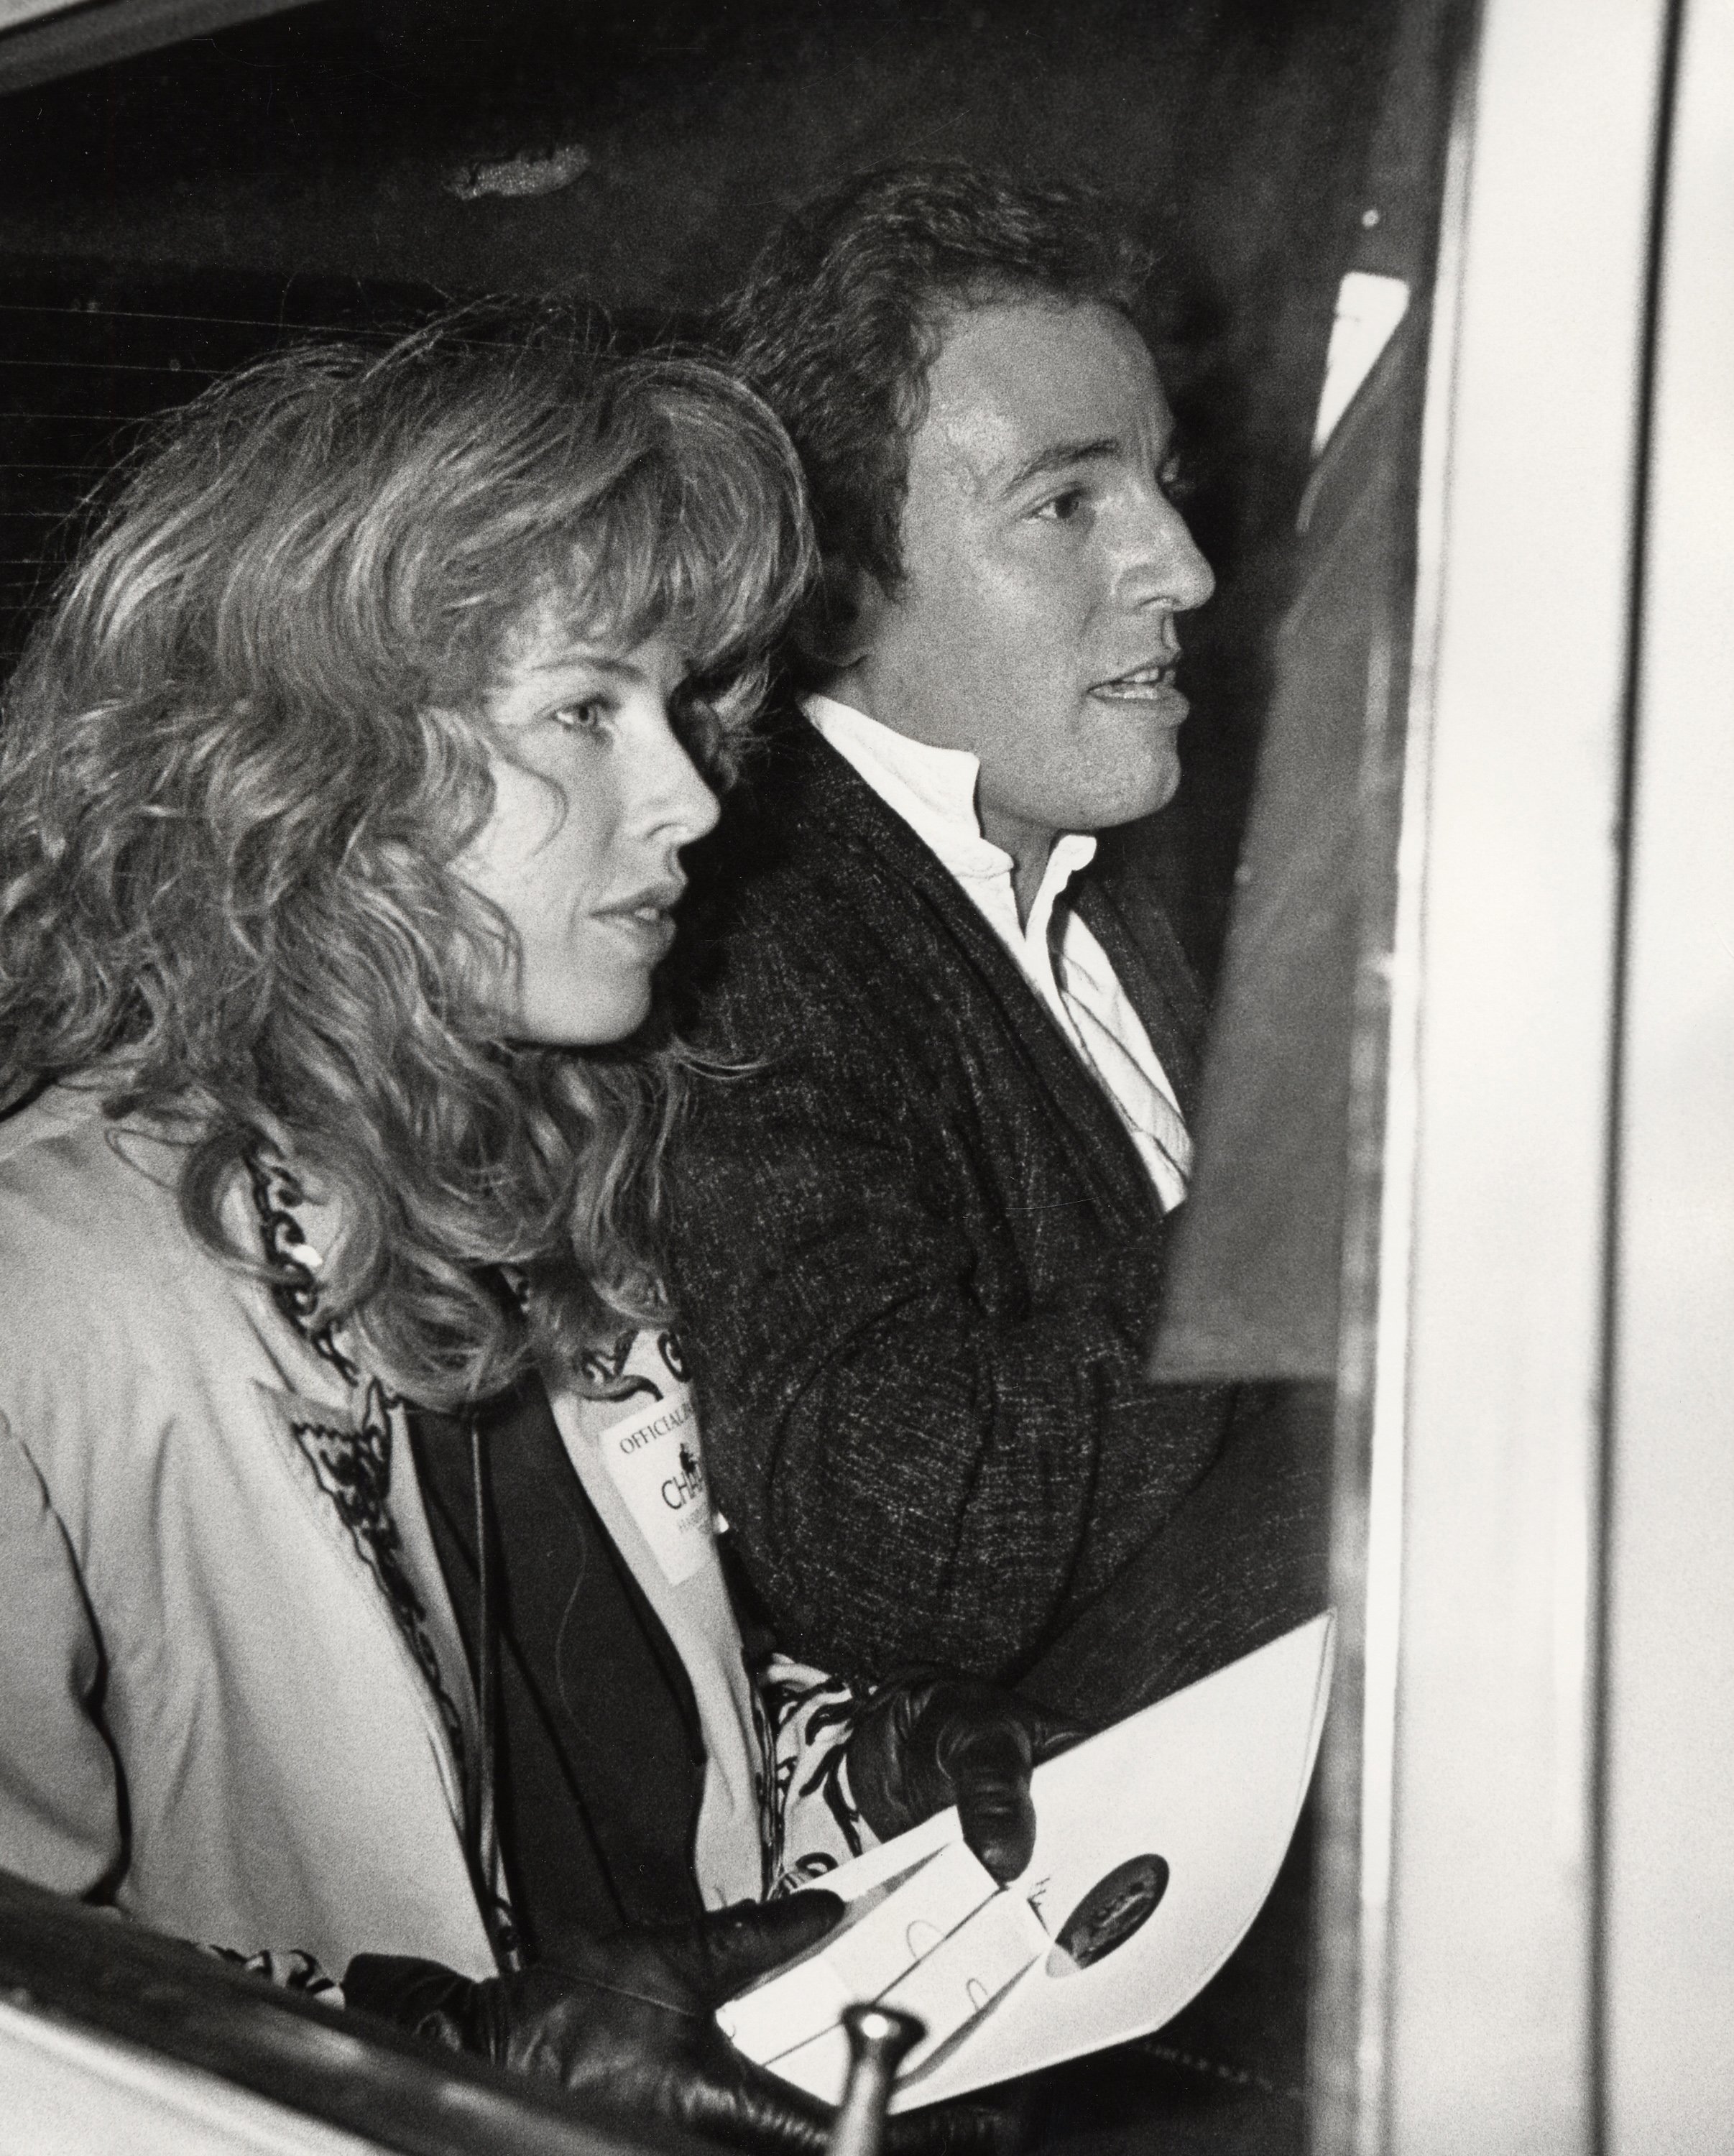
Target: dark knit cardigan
(915, 1253)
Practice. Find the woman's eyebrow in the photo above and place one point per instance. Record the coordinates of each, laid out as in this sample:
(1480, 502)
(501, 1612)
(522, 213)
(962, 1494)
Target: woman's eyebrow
(595, 662)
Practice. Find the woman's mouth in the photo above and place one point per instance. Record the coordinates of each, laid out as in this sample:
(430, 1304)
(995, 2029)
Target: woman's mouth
(648, 929)
(645, 920)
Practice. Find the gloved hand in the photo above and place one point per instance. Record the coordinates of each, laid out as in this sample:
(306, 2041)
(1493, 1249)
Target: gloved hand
(627, 2022)
(926, 1740)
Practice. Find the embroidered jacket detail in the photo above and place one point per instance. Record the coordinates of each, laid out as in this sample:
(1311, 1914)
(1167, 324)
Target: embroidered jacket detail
(353, 1466)
(604, 1375)
(290, 1970)
(276, 1193)
(810, 1823)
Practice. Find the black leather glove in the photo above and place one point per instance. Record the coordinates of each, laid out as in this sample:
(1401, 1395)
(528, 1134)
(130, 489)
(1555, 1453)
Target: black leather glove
(627, 2022)
(926, 1740)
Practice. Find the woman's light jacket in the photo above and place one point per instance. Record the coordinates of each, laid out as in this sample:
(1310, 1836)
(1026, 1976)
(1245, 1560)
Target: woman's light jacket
(234, 1700)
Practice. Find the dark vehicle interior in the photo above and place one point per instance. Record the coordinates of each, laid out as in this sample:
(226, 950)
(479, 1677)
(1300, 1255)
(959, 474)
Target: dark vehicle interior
(330, 165)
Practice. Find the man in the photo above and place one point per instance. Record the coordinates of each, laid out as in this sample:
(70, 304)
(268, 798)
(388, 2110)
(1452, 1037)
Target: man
(920, 1231)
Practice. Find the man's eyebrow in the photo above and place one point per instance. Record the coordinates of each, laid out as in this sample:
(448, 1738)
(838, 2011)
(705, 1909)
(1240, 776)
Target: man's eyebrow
(1059, 456)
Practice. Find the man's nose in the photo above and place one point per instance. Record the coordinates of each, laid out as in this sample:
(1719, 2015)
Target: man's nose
(1167, 569)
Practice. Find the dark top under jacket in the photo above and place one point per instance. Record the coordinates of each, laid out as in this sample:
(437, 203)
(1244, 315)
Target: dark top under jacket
(915, 1253)
(599, 1759)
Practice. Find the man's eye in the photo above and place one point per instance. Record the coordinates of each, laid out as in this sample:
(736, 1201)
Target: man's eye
(1062, 508)
(1178, 480)
(694, 722)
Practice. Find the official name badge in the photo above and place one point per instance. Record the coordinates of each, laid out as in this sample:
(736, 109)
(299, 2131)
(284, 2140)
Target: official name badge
(653, 1456)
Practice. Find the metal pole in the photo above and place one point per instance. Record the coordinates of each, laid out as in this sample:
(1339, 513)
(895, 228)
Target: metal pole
(879, 2039)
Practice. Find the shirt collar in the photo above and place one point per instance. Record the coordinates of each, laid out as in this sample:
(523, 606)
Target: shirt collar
(934, 791)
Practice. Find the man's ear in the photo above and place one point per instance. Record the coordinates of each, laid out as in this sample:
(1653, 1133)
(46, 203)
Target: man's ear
(839, 623)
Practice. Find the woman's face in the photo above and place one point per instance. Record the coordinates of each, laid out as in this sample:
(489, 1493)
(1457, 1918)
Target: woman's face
(593, 799)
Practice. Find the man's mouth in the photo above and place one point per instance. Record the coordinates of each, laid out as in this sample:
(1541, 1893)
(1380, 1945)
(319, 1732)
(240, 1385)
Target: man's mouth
(1144, 685)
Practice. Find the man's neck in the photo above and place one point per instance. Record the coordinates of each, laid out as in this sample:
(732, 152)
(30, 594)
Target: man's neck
(1028, 844)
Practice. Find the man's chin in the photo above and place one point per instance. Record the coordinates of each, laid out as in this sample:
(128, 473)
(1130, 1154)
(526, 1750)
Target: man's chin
(1121, 780)
(1130, 803)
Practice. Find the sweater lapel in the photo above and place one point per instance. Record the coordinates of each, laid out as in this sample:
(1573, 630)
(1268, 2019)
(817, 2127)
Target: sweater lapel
(1147, 961)
(857, 820)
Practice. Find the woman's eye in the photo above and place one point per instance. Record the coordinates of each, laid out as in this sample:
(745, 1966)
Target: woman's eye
(1062, 508)
(586, 716)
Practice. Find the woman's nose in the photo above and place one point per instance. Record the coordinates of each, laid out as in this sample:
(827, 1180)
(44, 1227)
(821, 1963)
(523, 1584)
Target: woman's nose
(682, 800)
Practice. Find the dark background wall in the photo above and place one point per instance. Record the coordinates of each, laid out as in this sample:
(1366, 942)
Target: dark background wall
(163, 217)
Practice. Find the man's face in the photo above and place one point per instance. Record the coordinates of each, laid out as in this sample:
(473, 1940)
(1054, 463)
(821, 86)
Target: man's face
(1044, 567)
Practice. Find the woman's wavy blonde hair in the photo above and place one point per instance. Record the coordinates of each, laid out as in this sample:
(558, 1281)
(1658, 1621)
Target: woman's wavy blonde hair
(239, 757)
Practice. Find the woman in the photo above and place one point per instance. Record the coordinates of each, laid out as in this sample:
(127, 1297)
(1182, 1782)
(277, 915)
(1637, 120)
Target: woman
(344, 794)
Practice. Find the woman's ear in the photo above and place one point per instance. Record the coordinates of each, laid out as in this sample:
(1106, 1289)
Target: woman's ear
(836, 626)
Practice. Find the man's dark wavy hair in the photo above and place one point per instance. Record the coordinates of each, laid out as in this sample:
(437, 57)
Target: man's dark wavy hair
(844, 312)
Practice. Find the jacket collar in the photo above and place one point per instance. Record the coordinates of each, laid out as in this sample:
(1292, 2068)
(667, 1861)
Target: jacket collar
(812, 790)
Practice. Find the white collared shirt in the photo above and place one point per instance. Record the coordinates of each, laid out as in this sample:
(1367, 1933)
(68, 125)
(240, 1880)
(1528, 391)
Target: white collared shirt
(934, 791)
